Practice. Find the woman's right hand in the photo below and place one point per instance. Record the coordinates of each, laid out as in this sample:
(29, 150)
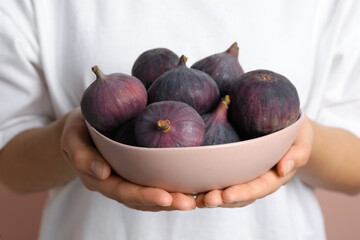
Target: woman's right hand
(95, 173)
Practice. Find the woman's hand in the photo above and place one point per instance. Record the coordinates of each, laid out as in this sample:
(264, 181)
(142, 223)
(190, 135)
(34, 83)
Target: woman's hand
(95, 173)
(244, 194)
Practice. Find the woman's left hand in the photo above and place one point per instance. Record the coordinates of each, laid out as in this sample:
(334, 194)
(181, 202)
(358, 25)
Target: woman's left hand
(246, 193)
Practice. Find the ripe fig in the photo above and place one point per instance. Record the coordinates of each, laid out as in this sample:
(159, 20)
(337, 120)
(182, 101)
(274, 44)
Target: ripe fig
(187, 85)
(217, 128)
(169, 124)
(126, 133)
(112, 100)
(223, 67)
(264, 102)
(152, 63)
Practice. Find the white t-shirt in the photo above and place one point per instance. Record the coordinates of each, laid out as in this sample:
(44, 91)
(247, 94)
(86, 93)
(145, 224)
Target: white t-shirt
(48, 48)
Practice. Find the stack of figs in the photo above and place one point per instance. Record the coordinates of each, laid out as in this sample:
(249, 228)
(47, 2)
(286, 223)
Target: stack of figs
(164, 103)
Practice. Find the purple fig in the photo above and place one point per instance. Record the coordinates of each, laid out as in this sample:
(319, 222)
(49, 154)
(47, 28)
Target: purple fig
(126, 133)
(217, 128)
(264, 102)
(187, 85)
(152, 63)
(112, 100)
(169, 124)
(223, 67)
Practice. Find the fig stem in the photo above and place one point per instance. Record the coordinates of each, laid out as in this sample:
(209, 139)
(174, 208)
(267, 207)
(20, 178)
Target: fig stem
(164, 125)
(233, 50)
(183, 60)
(99, 74)
(226, 100)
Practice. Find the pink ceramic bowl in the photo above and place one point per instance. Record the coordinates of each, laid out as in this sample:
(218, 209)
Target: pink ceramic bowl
(196, 169)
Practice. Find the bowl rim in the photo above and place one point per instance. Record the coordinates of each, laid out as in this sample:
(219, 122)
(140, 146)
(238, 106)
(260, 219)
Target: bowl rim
(239, 143)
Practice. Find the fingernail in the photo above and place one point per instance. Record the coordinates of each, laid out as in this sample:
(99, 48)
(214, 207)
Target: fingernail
(165, 203)
(289, 167)
(97, 169)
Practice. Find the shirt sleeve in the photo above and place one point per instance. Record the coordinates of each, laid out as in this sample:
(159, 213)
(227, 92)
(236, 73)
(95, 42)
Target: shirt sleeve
(340, 106)
(24, 99)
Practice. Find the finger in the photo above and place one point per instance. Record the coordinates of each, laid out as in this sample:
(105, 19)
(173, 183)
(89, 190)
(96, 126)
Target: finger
(237, 204)
(141, 198)
(182, 201)
(257, 188)
(295, 157)
(299, 153)
(75, 127)
(216, 203)
(200, 200)
(213, 198)
(156, 208)
(88, 159)
(79, 150)
(201, 204)
(126, 192)
(129, 193)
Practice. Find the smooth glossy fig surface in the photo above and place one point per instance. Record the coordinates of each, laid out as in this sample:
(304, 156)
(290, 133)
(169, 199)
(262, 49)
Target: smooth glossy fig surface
(187, 85)
(217, 128)
(169, 124)
(263, 102)
(223, 67)
(112, 100)
(152, 63)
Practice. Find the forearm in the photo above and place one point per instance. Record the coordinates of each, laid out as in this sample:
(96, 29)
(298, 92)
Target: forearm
(334, 161)
(33, 160)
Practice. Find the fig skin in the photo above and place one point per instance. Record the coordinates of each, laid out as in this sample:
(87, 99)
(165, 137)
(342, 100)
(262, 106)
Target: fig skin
(263, 102)
(169, 124)
(217, 128)
(187, 85)
(112, 100)
(152, 63)
(223, 67)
